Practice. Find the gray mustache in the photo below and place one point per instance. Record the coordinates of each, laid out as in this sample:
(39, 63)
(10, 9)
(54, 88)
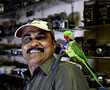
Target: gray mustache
(35, 48)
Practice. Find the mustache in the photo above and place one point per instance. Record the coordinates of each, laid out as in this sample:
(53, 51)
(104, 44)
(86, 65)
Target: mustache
(35, 48)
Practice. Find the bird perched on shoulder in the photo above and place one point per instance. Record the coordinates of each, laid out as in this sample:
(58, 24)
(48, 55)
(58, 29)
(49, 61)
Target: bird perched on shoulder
(72, 49)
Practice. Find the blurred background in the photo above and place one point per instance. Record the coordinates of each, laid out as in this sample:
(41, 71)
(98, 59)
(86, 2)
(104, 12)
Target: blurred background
(89, 20)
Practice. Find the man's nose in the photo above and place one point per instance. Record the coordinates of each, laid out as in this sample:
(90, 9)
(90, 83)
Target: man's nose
(35, 42)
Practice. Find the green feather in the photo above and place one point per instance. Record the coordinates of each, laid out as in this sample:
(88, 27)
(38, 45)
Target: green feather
(74, 51)
(91, 72)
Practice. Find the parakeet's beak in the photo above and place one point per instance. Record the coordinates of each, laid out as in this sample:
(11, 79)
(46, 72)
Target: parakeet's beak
(66, 37)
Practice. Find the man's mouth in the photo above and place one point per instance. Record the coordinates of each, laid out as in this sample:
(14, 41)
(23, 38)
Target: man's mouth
(35, 50)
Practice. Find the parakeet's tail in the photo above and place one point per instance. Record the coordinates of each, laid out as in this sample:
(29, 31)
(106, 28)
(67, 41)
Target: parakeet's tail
(88, 64)
(91, 72)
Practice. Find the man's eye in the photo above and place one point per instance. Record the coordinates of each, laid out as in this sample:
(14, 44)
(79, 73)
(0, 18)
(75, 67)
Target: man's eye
(26, 39)
(41, 37)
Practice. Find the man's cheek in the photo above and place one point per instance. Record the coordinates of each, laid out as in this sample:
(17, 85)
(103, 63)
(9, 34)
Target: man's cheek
(24, 48)
(24, 51)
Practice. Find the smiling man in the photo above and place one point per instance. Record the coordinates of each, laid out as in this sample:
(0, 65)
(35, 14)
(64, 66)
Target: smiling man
(38, 47)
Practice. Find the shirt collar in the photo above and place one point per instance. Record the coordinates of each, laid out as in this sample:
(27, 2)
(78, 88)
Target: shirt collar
(47, 65)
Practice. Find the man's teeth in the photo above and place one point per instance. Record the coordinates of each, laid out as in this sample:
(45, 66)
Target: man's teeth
(34, 51)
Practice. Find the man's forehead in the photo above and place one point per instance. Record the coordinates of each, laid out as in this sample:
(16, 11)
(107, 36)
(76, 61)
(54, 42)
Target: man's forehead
(29, 29)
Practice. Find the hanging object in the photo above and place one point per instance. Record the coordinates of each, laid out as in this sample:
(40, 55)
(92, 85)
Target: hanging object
(1, 8)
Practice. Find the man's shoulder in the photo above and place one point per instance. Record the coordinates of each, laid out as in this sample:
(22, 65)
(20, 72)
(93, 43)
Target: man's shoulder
(68, 66)
(67, 70)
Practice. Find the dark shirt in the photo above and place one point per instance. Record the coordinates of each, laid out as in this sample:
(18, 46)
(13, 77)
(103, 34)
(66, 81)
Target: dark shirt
(66, 76)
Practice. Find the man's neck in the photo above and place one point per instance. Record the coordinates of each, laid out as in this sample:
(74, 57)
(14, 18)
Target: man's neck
(32, 67)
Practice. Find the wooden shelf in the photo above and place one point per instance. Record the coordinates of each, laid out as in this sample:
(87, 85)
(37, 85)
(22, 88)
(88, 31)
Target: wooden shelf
(94, 27)
(98, 57)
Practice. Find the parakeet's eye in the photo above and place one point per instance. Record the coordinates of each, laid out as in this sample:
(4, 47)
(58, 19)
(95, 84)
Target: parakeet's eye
(66, 37)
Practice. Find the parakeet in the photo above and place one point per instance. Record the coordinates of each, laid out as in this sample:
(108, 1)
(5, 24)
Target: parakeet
(73, 50)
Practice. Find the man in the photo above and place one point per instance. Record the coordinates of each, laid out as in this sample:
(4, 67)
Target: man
(38, 46)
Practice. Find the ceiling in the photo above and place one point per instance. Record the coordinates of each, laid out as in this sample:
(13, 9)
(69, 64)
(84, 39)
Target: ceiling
(13, 5)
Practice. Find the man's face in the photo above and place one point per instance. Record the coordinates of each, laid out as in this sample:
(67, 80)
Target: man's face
(37, 45)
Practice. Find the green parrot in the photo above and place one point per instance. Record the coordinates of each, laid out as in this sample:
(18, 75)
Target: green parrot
(72, 50)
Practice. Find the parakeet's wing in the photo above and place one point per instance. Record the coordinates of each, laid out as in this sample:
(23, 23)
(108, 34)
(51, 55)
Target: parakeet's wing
(79, 52)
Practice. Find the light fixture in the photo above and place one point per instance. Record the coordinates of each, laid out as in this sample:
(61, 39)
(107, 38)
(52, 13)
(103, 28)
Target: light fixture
(37, 0)
(1, 8)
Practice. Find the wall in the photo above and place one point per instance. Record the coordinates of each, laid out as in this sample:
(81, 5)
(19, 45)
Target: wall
(49, 9)
(45, 9)
(102, 65)
(101, 33)
(103, 36)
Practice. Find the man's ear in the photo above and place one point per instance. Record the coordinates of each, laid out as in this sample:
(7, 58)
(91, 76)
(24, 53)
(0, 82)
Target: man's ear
(54, 43)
